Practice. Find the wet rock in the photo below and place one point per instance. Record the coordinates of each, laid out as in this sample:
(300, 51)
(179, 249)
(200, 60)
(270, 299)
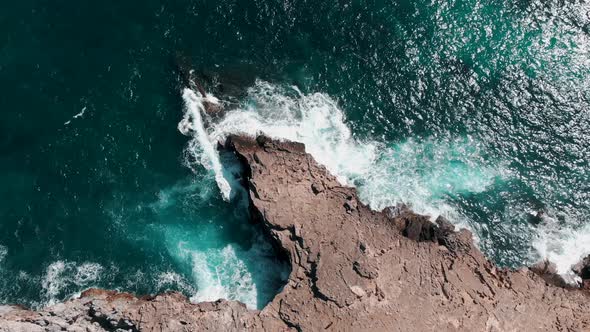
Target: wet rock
(213, 109)
(548, 271)
(445, 227)
(396, 211)
(417, 227)
(582, 269)
(536, 218)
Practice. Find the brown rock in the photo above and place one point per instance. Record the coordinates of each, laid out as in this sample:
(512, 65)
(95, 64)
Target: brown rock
(365, 269)
(417, 227)
(445, 227)
(316, 188)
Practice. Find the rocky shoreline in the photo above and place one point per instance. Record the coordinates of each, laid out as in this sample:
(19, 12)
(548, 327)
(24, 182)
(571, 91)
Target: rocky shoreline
(352, 269)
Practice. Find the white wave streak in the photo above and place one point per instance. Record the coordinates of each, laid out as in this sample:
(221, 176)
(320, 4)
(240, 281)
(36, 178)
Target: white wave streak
(201, 146)
(77, 116)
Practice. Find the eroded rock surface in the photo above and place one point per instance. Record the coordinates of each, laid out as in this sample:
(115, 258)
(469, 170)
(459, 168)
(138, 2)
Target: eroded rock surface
(354, 269)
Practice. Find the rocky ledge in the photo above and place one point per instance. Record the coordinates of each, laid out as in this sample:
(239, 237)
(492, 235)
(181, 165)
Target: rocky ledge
(352, 269)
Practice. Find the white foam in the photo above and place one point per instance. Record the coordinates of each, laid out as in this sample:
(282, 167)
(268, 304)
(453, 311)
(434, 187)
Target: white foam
(563, 246)
(77, 116)
(201, 147)
(60, 276)
(52, 281)
(87, 273)
(170, 280)
(230, 272)
(415, 172)
(222, 275)
(312, 119)
(208, 282)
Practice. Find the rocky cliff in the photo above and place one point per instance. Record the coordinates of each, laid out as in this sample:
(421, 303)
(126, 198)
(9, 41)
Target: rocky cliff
(352, 269)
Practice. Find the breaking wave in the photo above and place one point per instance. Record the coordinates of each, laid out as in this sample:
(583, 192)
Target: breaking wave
(419, 172)
(430, 174)
(201, 147)
(231, 272)
(61, 277)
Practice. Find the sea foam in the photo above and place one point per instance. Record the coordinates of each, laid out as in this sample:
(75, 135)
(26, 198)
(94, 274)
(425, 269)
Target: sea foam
(201, 146)
(231, 272)
(564, 246)
(423, 172)
(61, 277)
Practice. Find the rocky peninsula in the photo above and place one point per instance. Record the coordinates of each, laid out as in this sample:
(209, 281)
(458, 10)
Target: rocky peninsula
(353, 269)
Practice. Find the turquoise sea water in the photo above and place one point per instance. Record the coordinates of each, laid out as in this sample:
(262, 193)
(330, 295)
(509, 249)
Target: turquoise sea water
(477, 110)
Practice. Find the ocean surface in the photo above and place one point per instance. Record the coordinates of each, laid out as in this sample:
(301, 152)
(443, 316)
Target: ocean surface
(477, 110)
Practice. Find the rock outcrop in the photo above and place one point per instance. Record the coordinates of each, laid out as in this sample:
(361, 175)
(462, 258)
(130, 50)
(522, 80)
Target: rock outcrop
(582, 269)
(352, 269)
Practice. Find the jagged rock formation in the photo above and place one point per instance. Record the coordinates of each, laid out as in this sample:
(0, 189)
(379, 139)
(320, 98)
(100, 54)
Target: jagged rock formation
(582, 269)
(100, 310)
(352, 269)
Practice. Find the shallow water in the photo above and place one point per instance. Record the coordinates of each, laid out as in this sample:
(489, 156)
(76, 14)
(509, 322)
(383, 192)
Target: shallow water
(477, 110)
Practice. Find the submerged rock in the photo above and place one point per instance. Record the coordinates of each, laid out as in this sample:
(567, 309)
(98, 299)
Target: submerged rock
(353, 269)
